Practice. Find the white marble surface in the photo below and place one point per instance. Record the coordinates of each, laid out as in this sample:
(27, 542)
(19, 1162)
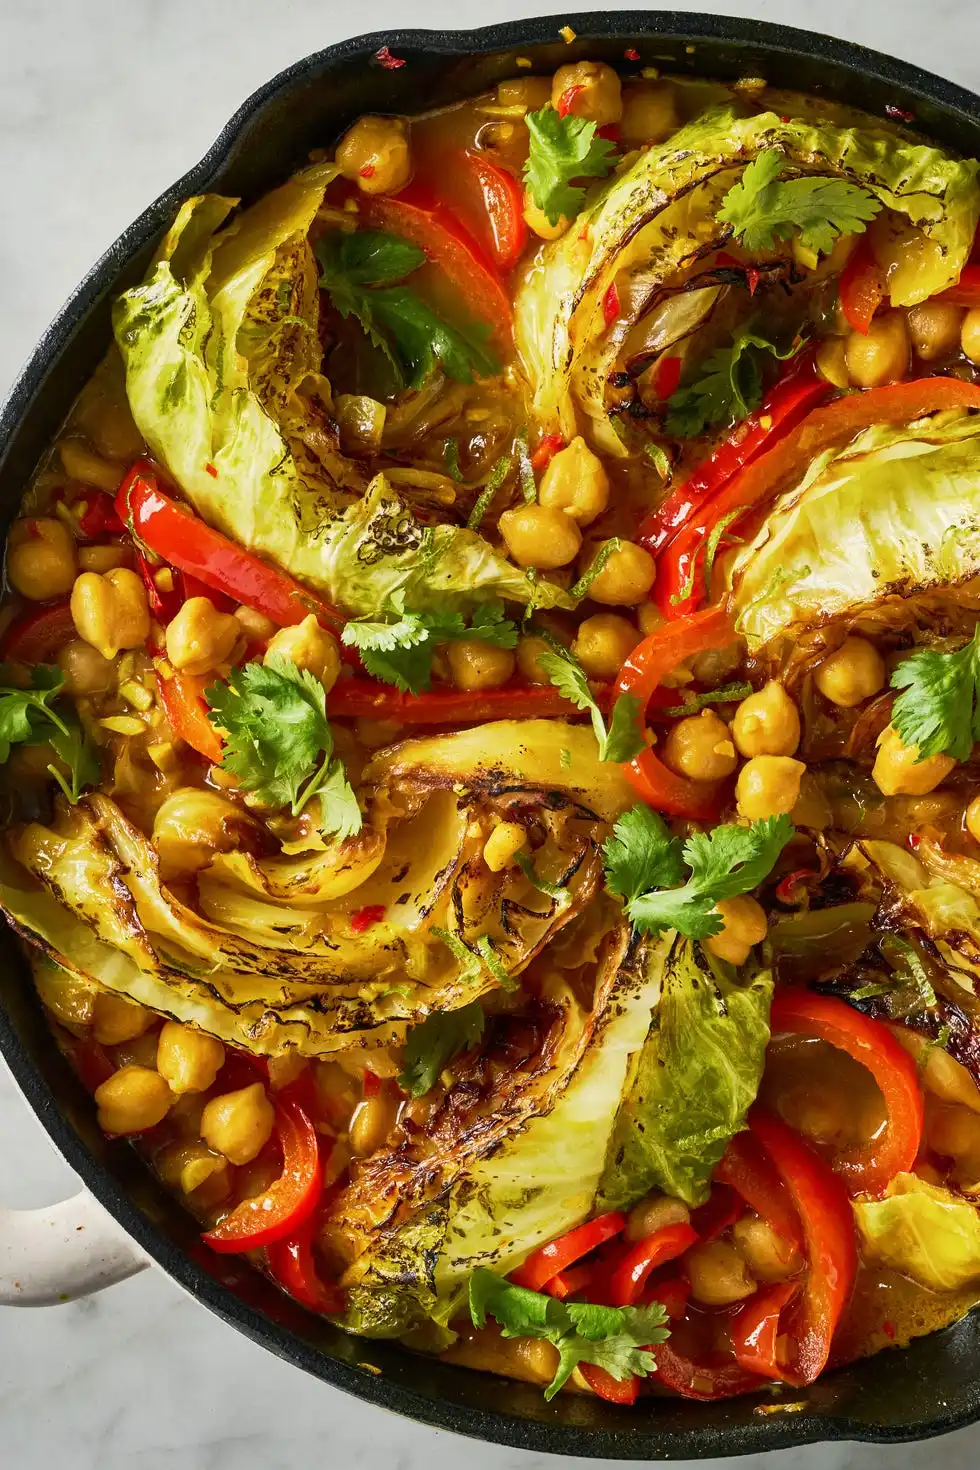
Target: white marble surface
(102, 104)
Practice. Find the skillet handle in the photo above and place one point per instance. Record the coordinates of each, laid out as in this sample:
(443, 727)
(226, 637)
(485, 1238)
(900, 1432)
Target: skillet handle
(62, 1252)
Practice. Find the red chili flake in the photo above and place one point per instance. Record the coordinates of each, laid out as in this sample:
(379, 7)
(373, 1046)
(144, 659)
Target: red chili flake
(666, 379)
(609, 131)
(903, 114)
(567, 99)
(364, 918)
(752, 278)
(610, 305)
(390, 63)
(546, 451)
(784, 119)
(631, 53)
(212, 471)
(786, 888)
(914, 840)
(888, 1328)
(367, 172)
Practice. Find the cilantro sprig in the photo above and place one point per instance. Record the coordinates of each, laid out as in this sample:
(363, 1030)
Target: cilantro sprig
(278, 742)
(363, 273)
(432, 1044)
(939, 709)
(623, 738)
(398, 648)
(645, 865)
(563, 149)
(762, 208)
(618, 1339)
(28, 717)
(727, 388)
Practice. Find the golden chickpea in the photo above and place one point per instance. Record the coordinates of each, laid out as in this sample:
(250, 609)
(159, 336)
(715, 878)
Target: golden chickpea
(700, 747)
(851, 674)
(238, 1124)
(86, 670)
(371, 1123)
(132, 1100)
(603, 643)
(970, 334)
(880, 355)
(650, 618)
(898, 772)
(502, 846)
(767, 786)
(536, 220)
(940, 1074)
(189, 1059)
(531, 93)
(101, 558)
(40, 558)
(200, 637)
(539, 536)
(626, 577)
(110, 610)
(140, 1052)
(934, 327)
(649, 113)
(576, 483)
(654, 1213)
(953, 1131)
(255, 625)
(310, 647)
(82, 463)
(745, 924)
(117, 1019)
(529, 651)
(191, 825)
(768, 1255)
(375, 154)
(832, 362)
(767, 722)
(718, 1274)
(973, 819)
(588, 89)
(477, 665)
(188, 1166)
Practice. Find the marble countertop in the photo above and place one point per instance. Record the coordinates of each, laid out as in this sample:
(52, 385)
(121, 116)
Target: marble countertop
(102, 105)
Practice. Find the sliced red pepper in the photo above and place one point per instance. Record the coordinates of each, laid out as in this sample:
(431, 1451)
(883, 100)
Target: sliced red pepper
(356, 698)
(99, 517)
(862, 287)
(282, 1208)
(503, 222)
(291, 1263)
(824, 1210)
(894, 1149)
(37, 635)
(755, 1329)
(766, 474)
(666, 381)
(366, 918)
(187, 542)
(966, 292)
(718, 1213)
(182, 697)
(610, 305)
(609, 1388)
(632, 1271)
(566, 102)
(546, 451)
(546, 1262)
(747, 1169)
(568, 1283)
(89, 1059)
(704, 1381)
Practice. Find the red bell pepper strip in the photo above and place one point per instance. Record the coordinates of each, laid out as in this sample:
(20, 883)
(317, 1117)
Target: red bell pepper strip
(357, 698)
(630, 1274)
(288, 1202)
(503, 201)
(824, 1210)
(37, 636)
(720, 1211)
(667, 378)
(966, 292)
(567, 1283)
(182, 697)
(782, 408)
(603, 1384)
(610, 305)
(546, 451)
(544, 1263)
(89, 1059)
(755, 1329)
(187, 542)
(862, 287)
(894, 1150)
(747, 1169)
(291, 1263)
(566, 102)
(764, 476)
(704, 1381)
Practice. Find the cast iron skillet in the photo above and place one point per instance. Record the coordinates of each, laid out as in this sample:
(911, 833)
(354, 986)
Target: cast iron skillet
(929, 1389)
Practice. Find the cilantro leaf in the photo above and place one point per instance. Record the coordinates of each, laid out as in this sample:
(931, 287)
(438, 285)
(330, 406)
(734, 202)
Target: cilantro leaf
(939, 710)
(563, 149)
(727, 388)
(279, 744)
(433, 1043)
(762, 209)
(28, 717)
(624, 738)
(618, 1339)
(641, 854)
(399, 650)
(371, 257)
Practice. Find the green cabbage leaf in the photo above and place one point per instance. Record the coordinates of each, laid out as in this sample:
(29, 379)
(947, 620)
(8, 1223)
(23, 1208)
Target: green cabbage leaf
(922, 1231)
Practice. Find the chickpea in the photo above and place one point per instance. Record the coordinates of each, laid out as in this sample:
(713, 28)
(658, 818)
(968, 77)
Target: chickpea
(40, 558)
(626, 577)
(117, 1019)
(832, 362)
(824, 1114)
(598, 95)
(654, 1213)
(540, 536)
(851, 674)
(478, 665)
(718, 1274)
(650, 618)
(375, 154)
(285, 1069)
(767, 786)
(110, 610)
(880, 355)
(132, 1100)
(898, 772)
(939, 1073)
(934, 327)
(970, 334)
(603, 643)
(372, 1121)
(529, 651)
(141, 1051)
(502, 846)
(191, 825)
(769, 1256)
(649, 113)
(953, 1131)
(255, 625)
(536, 220)
(200, 637)
(973, 819)
(767, 723)
(531, 93)
(576, 483)
(310, 647)
(82, 463)
(85, 669)
(701, 748)
(189, 1059)
(745, 924)
(189, 1165)
(238, 1124)
(101, 558)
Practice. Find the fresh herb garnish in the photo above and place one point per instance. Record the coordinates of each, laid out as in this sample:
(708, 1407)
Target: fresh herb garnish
(727, 388)
(278, 742)
(939, 710)
(618, 1339)
(563, 149)
(450, 458)
(695, 703)
(497, 476)
(432, 1044)
(561, 895)
(525, 469)
(660, 460)
(399, 647)
(473, 963)
(624, 737)
(362, 272)
(27, 717)
(761, 208)
(644, 864)
(581, 587)
(713, 542)
(494, 964)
